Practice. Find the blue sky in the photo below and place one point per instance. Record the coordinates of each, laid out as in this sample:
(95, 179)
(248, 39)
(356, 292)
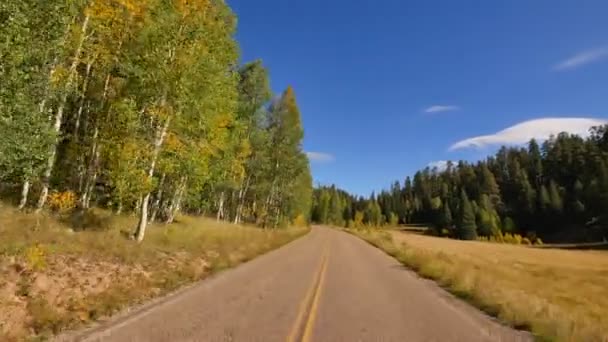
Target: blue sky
(388, 86)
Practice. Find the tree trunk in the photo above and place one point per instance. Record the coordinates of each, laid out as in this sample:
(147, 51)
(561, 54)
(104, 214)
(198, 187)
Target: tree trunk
(220, 209)
(241, 201)
(119, 209)
(25, 190)
(143, 215)
(158, 199)
(91, 172)
(59, 118)
(92, 181)
(268, 205)
(177, 201)
(83, 98)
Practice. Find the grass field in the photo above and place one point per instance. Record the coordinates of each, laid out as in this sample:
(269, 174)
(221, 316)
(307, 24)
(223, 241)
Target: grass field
(52, 278)
(558, 295)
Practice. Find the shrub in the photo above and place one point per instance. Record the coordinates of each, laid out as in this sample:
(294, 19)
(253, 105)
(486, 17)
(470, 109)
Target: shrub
(538, 242)
(300, 221)
(526, 241)
(35, 257)
(62, 201)
(393, 220)
(358, 219)
(517, 239)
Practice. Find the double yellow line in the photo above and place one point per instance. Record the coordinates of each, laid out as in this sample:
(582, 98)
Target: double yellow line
(310, 305)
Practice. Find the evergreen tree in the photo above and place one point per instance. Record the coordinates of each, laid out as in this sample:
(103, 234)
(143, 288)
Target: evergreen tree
(467, 229)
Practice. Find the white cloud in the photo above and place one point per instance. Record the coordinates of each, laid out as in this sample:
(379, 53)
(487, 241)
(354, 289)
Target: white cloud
(441, 108)
(320, 157)
(582, 58)
(539, 129)
(441, 165)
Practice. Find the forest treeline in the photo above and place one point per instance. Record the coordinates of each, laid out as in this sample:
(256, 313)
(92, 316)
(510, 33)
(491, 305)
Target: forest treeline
(141, 106)
(557, 190)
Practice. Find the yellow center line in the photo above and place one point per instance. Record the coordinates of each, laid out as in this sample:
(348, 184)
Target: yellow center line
(311, 296)
(312, 316)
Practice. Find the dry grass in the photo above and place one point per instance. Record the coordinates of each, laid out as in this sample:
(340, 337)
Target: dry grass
(53, 279)
(558, 295)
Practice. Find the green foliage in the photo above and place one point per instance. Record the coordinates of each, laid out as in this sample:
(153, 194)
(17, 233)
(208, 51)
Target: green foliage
(115, 101)
(556, 191)
(467, 229)
(393, 220)
(508, 226)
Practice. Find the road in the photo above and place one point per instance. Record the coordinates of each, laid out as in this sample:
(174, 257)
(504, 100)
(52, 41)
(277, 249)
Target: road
(326, 286)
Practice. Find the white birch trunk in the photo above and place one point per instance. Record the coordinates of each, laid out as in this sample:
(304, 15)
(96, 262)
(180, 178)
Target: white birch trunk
(158, 199)
(83, 98)
(177, 201)
(220, 207)
(85, 196)
(92, 181)
(25, 190)
(241, 204)
(143, 214)
(59, 118)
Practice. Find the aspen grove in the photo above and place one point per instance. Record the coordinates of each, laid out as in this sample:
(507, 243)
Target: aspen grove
(141, 107)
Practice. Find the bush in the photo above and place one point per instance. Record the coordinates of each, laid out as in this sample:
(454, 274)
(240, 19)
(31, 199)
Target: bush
(89, 220)
(393, 220)
(538, 242)
(62, 201)
(517, 239)
(35, 257)
(300, 221)
(526, 241)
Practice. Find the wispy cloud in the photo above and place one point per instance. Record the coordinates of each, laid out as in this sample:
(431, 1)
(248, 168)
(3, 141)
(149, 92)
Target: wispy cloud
(440, 165)
(441, 108)
(582, 58)
(539, 129)
(320, 157)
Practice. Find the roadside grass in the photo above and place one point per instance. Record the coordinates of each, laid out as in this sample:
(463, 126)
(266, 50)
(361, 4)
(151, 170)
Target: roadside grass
(558, 295)
(53, 278)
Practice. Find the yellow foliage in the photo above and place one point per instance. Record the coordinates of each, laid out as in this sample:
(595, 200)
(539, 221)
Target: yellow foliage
(59, 75)
(173, 143)
(35, 257)
(300, 221)
(358, 219)
(62, 201)
(517, 239)
(187, 7)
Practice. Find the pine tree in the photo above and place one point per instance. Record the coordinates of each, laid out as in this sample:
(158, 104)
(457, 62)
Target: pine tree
(544, 199)
(467, 229)
(555, 198)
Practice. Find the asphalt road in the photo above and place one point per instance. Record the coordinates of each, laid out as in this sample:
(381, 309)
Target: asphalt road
(326, 286)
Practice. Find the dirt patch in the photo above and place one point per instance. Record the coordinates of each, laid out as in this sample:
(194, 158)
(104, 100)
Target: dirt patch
(44, 301)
